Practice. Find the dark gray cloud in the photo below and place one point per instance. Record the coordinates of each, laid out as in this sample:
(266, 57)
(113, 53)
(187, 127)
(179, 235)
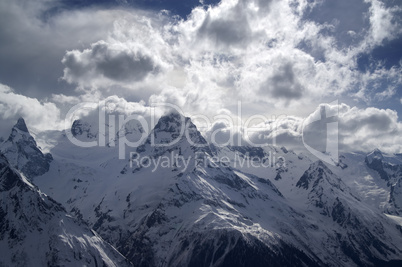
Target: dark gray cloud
(117, 64)
(31, 49)
(264, 6)
(373, 121)
(126, 67)
(283, 84)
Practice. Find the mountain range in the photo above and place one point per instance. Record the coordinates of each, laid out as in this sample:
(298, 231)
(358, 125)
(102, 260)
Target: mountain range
(177, 200)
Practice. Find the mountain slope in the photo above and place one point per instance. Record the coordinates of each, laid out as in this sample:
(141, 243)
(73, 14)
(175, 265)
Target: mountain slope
(36, 231)
(177, 211)
(176, 202)
(150, 212)
(363, 234)
(389, 169)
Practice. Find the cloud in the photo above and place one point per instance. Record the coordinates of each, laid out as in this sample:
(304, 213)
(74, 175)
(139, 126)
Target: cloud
(115, 62)
(227, 28)
(223, 133)
(358, 129)
(39, 116)
(230, 51)
(371, 119)
(283, 84)
(242, 50)
(385, 22)
(34, 40)
(276, 57)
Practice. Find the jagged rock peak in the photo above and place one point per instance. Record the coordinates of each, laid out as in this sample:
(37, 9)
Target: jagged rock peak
(22, 152)
(319, 164)
(174, 132)
(176, 124)
(315, 172)
(20, 125)
(172, 122)
(375, 154)
(20, 130)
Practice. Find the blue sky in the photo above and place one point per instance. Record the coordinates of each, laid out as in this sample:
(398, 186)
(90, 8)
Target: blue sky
(176, 7)
(276, 57)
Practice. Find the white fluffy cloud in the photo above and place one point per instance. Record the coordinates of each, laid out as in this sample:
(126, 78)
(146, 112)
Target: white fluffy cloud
(39, 116)
(276, 57)
(359, 129)
(383, 22)
(262, 52)
(132, 56)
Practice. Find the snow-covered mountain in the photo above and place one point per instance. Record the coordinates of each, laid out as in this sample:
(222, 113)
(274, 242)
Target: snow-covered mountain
(388, 169)
(178, 201)
(35, 230)
(22, 152)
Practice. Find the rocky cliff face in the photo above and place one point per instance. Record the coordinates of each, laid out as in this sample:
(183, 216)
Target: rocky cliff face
(35, 230)
(23, 153)
(390, 170)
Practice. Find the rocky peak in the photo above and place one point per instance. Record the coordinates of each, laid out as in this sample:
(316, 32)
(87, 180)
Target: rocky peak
(21, 125)
(375, 161)
(315, 172)
(375, 155)
(20, 131)
(170, 123)
(173, 132)
(22, 152)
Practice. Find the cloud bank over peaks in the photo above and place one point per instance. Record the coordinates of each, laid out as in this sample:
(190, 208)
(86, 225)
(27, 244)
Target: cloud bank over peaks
(358, 129)
(275, 57)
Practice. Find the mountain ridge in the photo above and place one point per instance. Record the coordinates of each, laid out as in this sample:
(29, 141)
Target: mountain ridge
(36, 230)
(170, 216)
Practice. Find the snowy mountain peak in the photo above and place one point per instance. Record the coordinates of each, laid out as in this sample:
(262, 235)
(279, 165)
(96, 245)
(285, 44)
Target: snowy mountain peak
(170, 122)
(320, 164)
(176, 124)
(22, 152)
(174, 132)
(375, 161)
(376, 154)
(21, 125)
(19, 131)
(315, 173)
